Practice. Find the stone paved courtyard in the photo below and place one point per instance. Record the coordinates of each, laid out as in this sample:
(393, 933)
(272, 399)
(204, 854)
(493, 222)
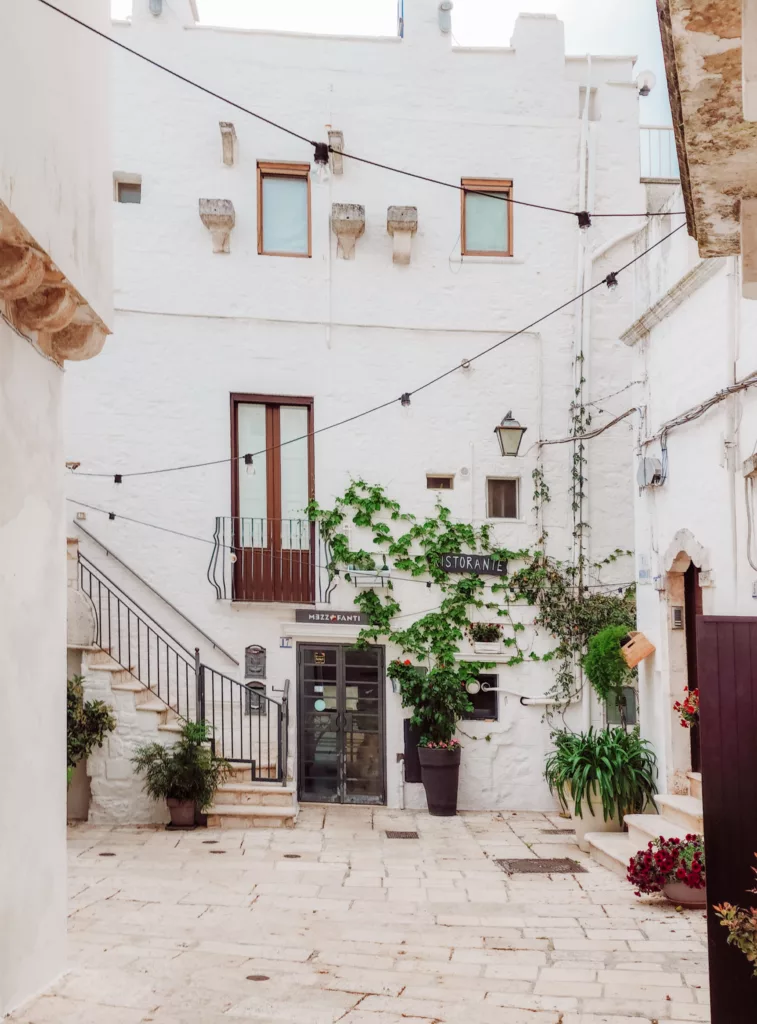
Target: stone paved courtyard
(333, 921)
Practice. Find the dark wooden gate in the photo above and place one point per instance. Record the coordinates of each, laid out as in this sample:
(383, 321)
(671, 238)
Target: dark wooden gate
(727, 664)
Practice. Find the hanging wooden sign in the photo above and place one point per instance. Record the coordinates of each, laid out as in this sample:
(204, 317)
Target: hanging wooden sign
(481, 565)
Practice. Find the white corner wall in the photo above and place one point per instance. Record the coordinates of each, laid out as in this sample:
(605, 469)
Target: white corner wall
(33, 671)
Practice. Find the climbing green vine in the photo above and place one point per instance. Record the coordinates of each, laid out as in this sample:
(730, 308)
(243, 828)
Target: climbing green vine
(438, 695)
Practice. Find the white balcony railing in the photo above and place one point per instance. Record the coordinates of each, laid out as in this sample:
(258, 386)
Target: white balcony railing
(659, 161)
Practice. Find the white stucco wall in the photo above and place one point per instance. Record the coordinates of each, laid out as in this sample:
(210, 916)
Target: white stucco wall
(32, 666)
(705, 344)
(54, 172)
(55, 182)
(193, 326)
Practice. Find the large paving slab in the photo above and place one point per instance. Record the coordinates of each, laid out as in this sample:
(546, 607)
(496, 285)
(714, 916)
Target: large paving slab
(333, 921)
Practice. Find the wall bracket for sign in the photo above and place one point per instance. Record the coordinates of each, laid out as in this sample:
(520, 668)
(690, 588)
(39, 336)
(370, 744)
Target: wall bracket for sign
(479, 565)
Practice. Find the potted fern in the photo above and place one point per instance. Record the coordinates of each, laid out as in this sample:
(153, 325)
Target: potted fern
(606, 668)
(185, 775)
(599, 776)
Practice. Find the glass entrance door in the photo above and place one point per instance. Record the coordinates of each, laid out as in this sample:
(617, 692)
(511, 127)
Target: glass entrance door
(341, 724)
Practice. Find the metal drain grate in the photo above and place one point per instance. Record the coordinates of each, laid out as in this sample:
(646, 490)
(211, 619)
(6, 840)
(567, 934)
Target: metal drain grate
(558, 831)
(541, 866)
(401, 835)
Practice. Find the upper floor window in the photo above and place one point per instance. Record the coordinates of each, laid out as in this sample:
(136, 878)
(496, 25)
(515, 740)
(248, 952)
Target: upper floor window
(440, 481)
(487, 224)
(271, 484)
(127, 188)
(284, 209)
(502, 499)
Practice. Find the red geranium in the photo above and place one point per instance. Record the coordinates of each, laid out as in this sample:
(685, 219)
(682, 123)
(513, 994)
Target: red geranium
(668, 860)
(688, 709)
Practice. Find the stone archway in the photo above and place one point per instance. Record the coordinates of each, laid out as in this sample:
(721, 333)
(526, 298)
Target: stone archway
(683, 552)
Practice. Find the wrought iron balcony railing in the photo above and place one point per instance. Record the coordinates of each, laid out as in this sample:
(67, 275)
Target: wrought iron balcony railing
(256, 559)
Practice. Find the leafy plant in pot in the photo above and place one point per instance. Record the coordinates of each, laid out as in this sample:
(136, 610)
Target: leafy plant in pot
(599, 776)
(185, 775)
(439, 699)
(87, 725)
(741, 923)
(674, 867)
(486, 637)
(606, 668)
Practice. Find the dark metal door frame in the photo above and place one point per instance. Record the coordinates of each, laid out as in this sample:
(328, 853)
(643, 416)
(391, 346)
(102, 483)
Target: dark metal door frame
(342, 718)
(727, 662)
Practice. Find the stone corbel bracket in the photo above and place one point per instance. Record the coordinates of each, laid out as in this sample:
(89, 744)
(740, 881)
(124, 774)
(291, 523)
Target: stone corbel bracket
(228, 142)
(40, 302)
(401, 223)
(348, 224)
(336, 147)
(218, 217)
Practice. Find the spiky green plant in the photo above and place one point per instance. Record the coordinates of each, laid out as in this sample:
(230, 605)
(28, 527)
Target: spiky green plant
(612, 766)
(189, 770)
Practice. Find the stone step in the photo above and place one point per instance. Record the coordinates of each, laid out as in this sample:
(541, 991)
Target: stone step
(250, 816)
(243, 772)
(613, 850)
(111, 666)
(152, 704)
(695, 784)
(250, 793)
(175, 725)
(683, 811)
(643, 827)
(128, 684)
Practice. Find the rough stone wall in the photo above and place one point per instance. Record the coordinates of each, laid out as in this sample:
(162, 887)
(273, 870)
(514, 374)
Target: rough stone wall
(717, 147)
(117, 795)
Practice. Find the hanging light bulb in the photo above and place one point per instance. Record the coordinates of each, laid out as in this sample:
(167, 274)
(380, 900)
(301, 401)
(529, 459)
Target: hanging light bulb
(612, 281)
(584, 220)
(249, 466)
(405, 400)
(321, 160)
(232, 557)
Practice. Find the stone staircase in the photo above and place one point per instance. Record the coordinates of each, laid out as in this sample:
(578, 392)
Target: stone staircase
(678, 815)
(141, 717)
(240, 803)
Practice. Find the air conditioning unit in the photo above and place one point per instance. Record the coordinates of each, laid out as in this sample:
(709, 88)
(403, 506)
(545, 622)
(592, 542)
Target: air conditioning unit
(649, 472)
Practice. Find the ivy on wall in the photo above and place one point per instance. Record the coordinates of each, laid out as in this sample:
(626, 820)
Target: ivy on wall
(564, 610)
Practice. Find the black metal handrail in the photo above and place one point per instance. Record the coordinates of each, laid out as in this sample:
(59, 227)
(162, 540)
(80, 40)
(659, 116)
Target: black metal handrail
(246, 725)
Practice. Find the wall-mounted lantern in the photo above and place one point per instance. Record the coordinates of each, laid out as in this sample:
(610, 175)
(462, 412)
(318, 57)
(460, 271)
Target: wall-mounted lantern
(509, 434)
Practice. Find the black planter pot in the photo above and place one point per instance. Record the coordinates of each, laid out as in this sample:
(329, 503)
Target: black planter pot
(440, 770)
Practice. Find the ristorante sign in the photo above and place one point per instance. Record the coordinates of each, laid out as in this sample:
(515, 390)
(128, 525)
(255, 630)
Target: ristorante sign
(330, 618)
(480, 565)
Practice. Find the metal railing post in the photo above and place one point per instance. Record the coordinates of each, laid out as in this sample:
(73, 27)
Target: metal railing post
(199, 688)
(284, 734)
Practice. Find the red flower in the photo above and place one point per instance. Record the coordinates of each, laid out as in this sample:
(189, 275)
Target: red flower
(407, 661)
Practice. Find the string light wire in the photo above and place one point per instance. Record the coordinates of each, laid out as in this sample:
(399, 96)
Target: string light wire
(404, 398)
(584, 219)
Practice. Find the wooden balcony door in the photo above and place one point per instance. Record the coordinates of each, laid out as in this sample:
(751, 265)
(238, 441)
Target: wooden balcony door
(273, 539)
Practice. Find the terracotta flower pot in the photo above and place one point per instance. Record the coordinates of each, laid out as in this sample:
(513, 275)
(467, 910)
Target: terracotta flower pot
(682, 895)
(440, 770)
(182, 811)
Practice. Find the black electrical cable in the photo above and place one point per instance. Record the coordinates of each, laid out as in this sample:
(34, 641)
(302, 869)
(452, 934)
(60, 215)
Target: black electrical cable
(584, 219)
(404, 398)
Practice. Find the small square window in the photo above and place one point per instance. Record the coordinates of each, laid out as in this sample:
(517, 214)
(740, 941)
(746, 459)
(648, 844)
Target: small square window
(440, 482)
(502, 499)
(128, 191)
(284, 209)
(485, 701)
(613, 708)
(487, 224)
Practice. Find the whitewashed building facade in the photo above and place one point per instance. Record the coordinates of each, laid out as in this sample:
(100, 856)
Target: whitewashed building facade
(256, 303)
(55, 302)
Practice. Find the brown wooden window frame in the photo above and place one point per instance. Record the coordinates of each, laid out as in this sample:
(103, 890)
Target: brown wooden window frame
(496, 186)
(440, 476)
(503, 479)
(272, 404)
(277, 169)
(272, 571)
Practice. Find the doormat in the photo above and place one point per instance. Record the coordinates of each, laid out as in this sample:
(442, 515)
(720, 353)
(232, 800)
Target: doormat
(541, 866)
(558, 831)
(401, 835)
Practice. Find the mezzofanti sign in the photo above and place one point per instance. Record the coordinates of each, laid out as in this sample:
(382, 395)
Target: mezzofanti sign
(480, 565)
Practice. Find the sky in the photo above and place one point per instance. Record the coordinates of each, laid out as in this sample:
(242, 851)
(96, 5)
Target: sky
(591, 26)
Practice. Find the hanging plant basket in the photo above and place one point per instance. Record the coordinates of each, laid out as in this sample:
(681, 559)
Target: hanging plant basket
(636, 649)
